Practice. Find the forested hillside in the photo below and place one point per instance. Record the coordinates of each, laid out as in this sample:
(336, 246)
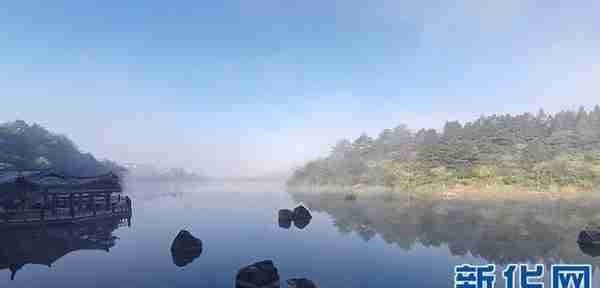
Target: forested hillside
(24, 146)
(533, 150)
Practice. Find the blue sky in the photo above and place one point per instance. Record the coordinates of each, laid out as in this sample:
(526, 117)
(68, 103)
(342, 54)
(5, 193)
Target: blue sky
(243, 88)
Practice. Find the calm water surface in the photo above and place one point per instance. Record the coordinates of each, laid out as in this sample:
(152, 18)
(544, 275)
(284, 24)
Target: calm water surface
(371, 242)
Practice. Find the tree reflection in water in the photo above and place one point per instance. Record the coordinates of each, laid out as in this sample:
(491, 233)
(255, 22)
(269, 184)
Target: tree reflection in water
(538, 230)
(44, 246)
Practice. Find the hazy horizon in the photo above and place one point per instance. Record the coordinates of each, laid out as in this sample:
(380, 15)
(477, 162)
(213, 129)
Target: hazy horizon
(241, 90)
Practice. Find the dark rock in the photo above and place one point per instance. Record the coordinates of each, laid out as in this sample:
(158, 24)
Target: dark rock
(286, 214)
(589, 237)
(181, 259)
(350, 197)
(185, 248)
(301, 223)
(285, 218)
(285, 223)
(300, 283)
(185, 242)
(258, 275)
(301, 212)
(592, 250)
(302, 217)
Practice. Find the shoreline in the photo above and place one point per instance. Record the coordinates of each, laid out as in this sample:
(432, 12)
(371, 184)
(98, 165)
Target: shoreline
(457, 191)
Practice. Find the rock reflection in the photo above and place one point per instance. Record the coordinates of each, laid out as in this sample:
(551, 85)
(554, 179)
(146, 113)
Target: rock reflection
(592, 250)
(300, 283)
(185, 248)
(539, 230)
(44, 246)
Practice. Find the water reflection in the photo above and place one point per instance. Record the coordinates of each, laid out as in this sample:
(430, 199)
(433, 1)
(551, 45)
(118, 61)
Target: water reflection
(592, 250)
(536, 231)
(46, 245)
(300, 283)
(144, 192)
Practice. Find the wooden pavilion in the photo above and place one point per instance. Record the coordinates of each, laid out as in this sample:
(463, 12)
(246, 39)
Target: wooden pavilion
(44, 196)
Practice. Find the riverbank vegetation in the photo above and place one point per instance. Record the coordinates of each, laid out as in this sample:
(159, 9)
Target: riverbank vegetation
(530, 152)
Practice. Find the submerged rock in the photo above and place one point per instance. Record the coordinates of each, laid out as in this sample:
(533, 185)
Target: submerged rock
(285, 218)
(261, 274)
(185, 248)
(300, 283)
(589, 237)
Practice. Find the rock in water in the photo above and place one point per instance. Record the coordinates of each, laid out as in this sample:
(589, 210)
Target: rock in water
(258, 275)
(185, 242)
(592, 250)
(181, 259)
(301, 212)
(301, 223)
(302, 217)
(286, 214)
(285, 218)
(285, 223)
(589, 237)
(185, 248)
(300, 283)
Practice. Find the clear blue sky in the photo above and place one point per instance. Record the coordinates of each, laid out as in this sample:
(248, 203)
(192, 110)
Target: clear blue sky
(245, 88)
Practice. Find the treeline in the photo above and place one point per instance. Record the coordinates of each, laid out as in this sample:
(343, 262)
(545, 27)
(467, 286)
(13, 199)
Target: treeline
(24, 146)
(534, 150)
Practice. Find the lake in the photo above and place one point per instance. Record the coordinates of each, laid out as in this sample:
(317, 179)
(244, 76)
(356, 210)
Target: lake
(378, 241)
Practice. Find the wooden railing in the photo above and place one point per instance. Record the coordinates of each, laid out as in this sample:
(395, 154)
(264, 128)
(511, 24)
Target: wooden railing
(65, 215)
